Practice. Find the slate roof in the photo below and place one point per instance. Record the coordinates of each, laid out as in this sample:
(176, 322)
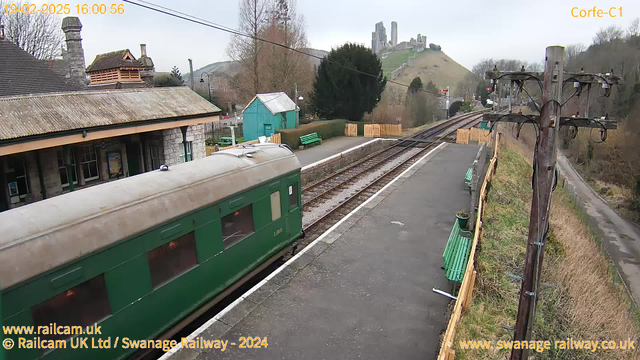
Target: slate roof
(113, 60)
(30, 115)
(21, 73)
(276, 102)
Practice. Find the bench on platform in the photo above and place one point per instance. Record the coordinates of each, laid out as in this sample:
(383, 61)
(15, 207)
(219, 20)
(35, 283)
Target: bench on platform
(310, 139)
(468, 177)
(456, 253)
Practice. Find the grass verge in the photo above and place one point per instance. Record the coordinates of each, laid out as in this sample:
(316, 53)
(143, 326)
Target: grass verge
(587, 300)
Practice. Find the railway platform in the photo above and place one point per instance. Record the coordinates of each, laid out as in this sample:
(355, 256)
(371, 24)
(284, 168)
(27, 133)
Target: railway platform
(363, 289)
(328, 148)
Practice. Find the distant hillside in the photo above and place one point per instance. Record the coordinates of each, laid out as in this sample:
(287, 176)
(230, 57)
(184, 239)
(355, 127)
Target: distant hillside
(428, 65)
(230, 68)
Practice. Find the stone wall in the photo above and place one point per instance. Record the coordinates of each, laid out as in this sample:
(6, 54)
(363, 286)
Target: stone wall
(314, 173)
(173, 147)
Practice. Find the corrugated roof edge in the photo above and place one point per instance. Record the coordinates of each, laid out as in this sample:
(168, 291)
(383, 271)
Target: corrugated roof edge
(100, 92)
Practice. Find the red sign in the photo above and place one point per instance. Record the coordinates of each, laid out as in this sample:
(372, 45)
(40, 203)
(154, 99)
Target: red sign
(489, 89)
(444, 90)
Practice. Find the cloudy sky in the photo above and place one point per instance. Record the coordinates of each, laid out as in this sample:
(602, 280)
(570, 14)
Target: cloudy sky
(467, 30)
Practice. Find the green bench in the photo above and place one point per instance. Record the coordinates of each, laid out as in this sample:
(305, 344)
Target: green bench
(225, 141)
(456, 253)
(468, 177)
(310, 139)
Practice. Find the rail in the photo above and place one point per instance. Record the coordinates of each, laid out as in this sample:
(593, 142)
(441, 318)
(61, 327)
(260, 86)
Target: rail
(463, 302)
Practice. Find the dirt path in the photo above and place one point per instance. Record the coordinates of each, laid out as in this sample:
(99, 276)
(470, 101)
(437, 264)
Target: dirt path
(621, 237)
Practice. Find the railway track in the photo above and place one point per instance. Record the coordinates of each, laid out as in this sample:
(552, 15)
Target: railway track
(330, 199)
(333, 199)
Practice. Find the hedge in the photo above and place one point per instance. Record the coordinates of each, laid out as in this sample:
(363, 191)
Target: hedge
(325, 128)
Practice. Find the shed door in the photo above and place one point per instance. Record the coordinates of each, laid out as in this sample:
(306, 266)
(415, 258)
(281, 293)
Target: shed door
(268, 130)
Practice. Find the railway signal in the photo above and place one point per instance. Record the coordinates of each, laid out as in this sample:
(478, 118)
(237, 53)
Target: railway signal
(547, 125)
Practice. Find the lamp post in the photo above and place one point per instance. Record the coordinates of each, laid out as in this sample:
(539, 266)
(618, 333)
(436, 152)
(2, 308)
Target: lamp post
(208, 83)
(297, 97)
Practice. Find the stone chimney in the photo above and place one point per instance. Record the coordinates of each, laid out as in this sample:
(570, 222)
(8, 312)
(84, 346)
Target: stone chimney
(74, 56)
(149, 70)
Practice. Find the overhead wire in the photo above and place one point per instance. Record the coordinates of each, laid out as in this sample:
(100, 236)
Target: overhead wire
(187, 17)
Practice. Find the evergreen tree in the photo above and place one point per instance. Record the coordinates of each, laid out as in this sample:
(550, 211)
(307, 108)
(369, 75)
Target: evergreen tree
(415, 86)
(175, 73)
(339, 92)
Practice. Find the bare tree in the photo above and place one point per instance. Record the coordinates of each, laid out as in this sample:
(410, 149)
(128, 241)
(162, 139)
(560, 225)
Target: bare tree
(247, 51)
(266, 67)
(466, 87)
(571, 53)
(287, 67)
(38, 34)
(634, 28)
(610, 34)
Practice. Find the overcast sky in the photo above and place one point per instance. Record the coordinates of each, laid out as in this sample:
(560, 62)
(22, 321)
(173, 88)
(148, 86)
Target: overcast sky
(467, 30)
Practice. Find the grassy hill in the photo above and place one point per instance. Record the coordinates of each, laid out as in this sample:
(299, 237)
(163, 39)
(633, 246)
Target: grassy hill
(428, 65)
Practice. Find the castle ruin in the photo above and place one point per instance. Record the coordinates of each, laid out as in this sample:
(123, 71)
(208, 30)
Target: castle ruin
(379, 40)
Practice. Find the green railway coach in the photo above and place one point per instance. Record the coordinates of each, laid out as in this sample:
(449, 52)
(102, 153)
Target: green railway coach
(135, 256)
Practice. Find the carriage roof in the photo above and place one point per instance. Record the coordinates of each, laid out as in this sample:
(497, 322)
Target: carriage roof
(44, 235)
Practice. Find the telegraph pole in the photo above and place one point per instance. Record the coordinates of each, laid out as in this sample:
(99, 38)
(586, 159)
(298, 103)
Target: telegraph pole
(548, 125)
(543, 183)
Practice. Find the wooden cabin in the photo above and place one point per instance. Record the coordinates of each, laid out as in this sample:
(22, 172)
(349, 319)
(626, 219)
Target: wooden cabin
(119, 68)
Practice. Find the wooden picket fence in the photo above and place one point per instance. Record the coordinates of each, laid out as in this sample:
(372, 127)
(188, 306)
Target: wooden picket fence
(480, 135)
(350, 130)
(372, 130)
(391, 129)
(463, 302)
(275, 138)
(462, 136)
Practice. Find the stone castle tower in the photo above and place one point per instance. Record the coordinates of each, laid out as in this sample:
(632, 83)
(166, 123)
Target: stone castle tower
(394, 33)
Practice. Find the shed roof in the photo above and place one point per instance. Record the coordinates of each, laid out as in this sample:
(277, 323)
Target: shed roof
(276, 102)
(30, 115)
(114, 60)
(21, 73)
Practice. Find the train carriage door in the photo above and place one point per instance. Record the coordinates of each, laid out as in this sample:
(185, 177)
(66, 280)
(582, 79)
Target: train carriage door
(293, 222)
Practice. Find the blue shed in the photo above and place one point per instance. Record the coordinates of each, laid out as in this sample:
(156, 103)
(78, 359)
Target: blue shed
(267, 113)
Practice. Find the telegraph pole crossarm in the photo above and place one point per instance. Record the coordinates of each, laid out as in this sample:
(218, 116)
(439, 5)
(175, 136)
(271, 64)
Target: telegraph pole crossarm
(597, 123)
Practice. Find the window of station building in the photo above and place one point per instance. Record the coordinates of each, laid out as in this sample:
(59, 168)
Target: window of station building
(17, 179)
(62, 169)
(82, 305)
(293, 195)
(237, 226)
(189, 156)
(89, 162)
(157, 156)
(172, 259)
(276, 212)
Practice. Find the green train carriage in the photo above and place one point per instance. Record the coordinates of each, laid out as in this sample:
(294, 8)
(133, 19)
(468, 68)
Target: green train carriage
(137, 255)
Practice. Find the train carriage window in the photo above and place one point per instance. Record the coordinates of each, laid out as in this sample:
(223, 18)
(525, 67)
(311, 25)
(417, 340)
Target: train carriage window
(237, 226)
(275, 206)
(82, 306)
(172, 259)
(293, 195)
